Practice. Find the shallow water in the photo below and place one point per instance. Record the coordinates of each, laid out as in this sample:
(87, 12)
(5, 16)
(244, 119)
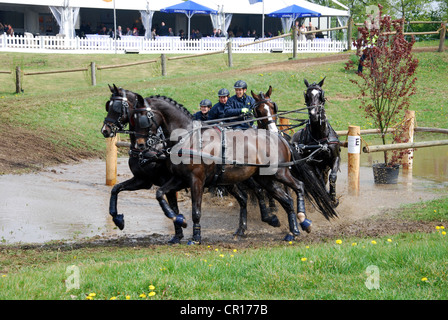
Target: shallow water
(70, 202)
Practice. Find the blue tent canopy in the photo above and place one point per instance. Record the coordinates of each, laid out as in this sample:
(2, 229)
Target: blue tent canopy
(189, 8)
(294, 12)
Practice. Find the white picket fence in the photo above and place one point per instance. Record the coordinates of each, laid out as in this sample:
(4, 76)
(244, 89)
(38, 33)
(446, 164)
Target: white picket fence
(105, 44)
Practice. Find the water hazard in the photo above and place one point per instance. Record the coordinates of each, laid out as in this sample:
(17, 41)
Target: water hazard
(70, 202)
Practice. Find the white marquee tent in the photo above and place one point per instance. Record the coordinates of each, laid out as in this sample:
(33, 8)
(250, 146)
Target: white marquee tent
(66, 11)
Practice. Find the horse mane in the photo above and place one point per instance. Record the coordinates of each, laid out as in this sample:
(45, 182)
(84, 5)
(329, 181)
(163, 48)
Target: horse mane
(174, 103)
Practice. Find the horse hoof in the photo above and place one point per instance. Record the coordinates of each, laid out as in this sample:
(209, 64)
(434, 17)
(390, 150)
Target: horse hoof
(119, 221)
(335, 203)
(239, 234)
(175, 240)
(180, 221)
(306, 225)
(289, 237)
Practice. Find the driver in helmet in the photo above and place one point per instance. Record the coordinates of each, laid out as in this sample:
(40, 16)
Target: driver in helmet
(202, 115)
(217, 111)
(240, 104)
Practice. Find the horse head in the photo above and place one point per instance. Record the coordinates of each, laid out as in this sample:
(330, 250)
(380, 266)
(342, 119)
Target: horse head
(315, 100)
(117, 112)
(265, 109)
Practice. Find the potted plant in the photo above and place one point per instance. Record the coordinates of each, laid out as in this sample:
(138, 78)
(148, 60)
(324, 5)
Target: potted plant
(385, 79)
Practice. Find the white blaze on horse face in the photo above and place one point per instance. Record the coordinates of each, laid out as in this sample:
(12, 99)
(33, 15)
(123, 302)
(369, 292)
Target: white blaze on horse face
(315, 92)
(271, 126)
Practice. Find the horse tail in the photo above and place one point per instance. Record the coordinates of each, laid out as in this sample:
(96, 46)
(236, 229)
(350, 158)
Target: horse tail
(315, 190)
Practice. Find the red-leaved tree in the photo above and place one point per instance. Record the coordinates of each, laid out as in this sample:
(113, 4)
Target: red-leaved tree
(387, 79)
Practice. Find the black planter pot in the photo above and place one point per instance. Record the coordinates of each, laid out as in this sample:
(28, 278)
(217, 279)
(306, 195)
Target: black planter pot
(385, 175)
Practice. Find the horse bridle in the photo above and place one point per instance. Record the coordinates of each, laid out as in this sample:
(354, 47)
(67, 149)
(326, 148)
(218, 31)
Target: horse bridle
(265, 100)
(321, 106)
(120, 106)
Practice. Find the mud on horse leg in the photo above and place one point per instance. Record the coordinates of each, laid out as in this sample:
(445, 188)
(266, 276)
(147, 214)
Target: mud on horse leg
(178, 219)
(128, 185)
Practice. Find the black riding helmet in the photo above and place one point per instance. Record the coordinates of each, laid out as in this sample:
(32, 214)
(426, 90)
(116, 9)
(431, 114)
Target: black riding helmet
(206, 103)
(240, 84)
(223, 93)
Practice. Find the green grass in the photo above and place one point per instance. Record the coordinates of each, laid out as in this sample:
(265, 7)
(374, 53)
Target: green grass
(331, 270)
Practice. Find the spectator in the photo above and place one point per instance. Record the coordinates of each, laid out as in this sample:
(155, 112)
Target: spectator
(254, 34)
(182, 35)
(198, 34)
(193, 34)
(205, 106)
(170, 32)
(135, 32)
(240, 104)
(163, 30)
(128, 31)
(301, 35)
(219, 33)
(110, 33)
(2, 28)
(103, 31)
(153, 34)
(119, 32)
(311, 36)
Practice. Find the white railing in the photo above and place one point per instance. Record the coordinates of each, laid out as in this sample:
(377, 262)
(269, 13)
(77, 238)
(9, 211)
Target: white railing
(105, 44)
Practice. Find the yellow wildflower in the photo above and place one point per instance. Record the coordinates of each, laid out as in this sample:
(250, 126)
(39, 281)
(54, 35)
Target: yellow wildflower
(152, 293)
(424, 279)
(303, 259)
(113, 298)
(339, 241)
(128, 297)
(354, 244)
(142, 295)
(389, 240)
(151, 287)
(373, 242)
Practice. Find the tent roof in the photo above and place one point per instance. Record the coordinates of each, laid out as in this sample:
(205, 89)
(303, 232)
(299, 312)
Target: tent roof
(188, 7)
(228, 6)
(293, 11)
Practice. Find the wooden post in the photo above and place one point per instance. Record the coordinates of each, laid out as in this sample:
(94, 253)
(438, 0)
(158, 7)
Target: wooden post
(349, 33)
(442, 37)
(163, 63)
(409, 124)
(111, 161)
(93, 73)
(354, 156)
(229, 53)
(18, 80)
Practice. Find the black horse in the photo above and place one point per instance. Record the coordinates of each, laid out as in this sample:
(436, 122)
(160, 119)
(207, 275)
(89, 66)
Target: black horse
(201, 157)
(144, 177)
(315, 189)
(319, 138)
(120, 107)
